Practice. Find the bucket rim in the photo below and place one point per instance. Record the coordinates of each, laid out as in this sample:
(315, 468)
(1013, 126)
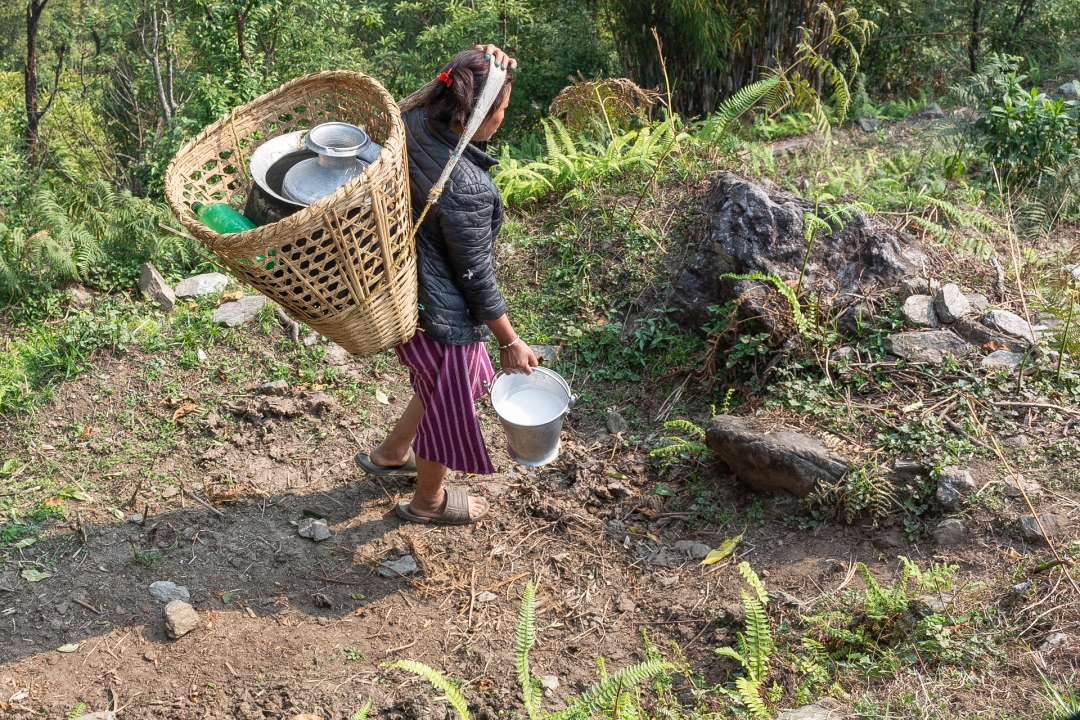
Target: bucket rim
(565, 386)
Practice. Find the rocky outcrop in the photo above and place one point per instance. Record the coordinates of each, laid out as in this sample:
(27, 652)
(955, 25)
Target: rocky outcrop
(747, 228)
(773, 461)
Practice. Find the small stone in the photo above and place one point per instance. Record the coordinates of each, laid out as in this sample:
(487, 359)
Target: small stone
(951, 304)
(950, 533)
(926, 345)
(169, 491)
(1012, 484)
(938, 602)
(405, 565)
(1054, 640)
(986, 338)
(199, 285)
(486, 596)
(547, 354)
(669, 581)
(918, 311)
(1017, 595)
(99, 715)
(869, 124)
(1017, 441)
(79, 296)
(151, 283)
(336, 355)
(932, 112)
(560, 557)
(239, 311)
(313, 528)
(696, 550)
(1009, 323)
(954, 484)
(624, 604)
(846, 354)
(135, 519)
(914, 286)
(1070, 90)
(276, 387)
(166, 591)
(1002, 360)
(180, 619)
(201, 355)
(549, 682)
(1053, 524)
(150, 656)
(312, 338)
(824, 709)
(616, 423)
(979, 303)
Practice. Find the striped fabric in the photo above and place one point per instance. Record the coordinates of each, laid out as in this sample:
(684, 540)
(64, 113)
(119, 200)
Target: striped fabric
(449, 379)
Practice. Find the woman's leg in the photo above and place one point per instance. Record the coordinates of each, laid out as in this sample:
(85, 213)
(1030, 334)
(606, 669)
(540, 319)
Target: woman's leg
(429, 498)
(394, 450)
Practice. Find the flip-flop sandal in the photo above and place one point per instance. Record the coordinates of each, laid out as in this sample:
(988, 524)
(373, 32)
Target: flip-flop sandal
(408, 469)
(456, 511)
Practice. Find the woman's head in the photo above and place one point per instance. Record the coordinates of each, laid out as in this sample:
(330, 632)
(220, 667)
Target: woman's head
(453, 99)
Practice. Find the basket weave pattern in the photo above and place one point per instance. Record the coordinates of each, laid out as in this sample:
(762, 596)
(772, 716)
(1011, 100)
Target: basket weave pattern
(344, 265)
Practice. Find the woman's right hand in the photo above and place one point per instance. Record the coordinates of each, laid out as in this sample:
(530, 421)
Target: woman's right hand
(518, 358)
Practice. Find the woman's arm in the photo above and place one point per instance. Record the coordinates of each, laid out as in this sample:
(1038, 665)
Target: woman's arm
(515, 356)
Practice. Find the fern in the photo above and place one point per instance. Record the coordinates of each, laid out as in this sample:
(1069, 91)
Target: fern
(785, 291)
(362, 713)
(77, 711)
(674, 445)
(526, 638)
(438, 681)
(603, 693)
(716, 126)
(755, 647)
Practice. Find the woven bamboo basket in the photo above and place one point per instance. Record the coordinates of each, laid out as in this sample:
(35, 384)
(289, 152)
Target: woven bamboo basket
(345, 265)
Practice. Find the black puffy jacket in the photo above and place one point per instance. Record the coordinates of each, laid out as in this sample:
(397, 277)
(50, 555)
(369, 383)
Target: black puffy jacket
(455, 244)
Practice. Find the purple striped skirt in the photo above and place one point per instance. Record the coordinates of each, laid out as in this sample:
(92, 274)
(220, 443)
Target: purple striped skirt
(449, 379)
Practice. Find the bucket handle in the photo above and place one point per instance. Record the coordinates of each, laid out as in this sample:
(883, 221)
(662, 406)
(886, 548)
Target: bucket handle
(573, 396)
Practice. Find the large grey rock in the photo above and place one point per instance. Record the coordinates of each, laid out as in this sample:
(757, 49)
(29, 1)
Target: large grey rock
(776, 461)
(932, 111)
(918, 311)
(824, 709)
(926, 346)
(1009, 323)
(950, 533)
(153, 285)
(1002, 360)
(180, 619)
(951, 304)
(983, 337)
(239, 311)
(743, 227)
(1053, 524)
(1070, 90)
(954, 484)
(204, 284)
(404, 565)
(166, 591)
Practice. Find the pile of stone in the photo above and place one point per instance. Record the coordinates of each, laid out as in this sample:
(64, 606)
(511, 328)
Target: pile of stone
(949, 322)
(230, 314)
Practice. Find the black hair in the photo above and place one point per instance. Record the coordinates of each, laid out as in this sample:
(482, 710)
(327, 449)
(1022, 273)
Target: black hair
(467, 73)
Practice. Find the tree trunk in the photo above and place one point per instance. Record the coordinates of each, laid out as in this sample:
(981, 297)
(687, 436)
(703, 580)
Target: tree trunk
(973, 40)
(34, 9)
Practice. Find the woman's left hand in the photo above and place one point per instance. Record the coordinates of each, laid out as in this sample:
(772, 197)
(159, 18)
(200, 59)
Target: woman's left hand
(501, 59)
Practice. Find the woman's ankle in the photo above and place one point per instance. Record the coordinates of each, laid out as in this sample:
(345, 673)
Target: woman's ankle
(386, 457)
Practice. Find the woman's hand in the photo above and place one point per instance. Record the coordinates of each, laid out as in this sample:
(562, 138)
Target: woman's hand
(501, 59)
(518, 358)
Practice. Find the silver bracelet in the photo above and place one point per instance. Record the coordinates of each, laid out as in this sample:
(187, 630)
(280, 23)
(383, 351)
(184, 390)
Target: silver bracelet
(510, 345)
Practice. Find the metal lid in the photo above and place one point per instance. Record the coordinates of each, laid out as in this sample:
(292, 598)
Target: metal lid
(336, 139)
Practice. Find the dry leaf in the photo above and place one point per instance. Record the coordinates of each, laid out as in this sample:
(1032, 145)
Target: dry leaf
(34, 575)
(646, 533)
(52, 502)
(186, 408)
(381, 397)
(230, 297)
(69, 648)
(725, 550)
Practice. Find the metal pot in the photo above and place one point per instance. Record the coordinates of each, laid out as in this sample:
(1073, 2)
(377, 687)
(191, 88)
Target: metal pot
(536, 444)
(339, 148)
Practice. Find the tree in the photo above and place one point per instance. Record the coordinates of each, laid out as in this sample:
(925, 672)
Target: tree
(34, 112)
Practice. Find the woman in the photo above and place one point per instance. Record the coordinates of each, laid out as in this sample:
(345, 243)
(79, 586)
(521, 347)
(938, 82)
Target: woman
(460, 303)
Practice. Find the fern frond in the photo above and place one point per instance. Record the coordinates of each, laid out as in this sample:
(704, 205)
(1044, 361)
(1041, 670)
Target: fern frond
(438, 681)
(524, 641)
(737, 105)
(687, 427)
(750, 694)
(362, 713)
(753, 581)
(603, 693)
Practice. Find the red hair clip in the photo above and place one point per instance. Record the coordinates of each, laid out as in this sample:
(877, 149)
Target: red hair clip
(445, 77)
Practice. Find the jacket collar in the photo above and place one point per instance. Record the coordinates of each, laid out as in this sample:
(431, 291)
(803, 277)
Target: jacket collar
(474, 151)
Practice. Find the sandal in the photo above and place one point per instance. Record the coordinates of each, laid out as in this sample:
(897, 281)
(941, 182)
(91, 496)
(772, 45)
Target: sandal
(455, 512)
(407, 469)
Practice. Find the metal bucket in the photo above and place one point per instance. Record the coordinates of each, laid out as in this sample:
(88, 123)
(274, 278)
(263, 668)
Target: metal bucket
(532, 441)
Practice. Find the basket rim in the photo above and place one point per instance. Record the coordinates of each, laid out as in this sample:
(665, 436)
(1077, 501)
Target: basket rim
(256, 235)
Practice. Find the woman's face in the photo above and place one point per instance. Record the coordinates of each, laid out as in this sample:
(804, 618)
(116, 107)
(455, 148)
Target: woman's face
(488, 127)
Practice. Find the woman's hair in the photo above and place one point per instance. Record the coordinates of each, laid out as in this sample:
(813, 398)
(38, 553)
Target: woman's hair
(451, 104)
